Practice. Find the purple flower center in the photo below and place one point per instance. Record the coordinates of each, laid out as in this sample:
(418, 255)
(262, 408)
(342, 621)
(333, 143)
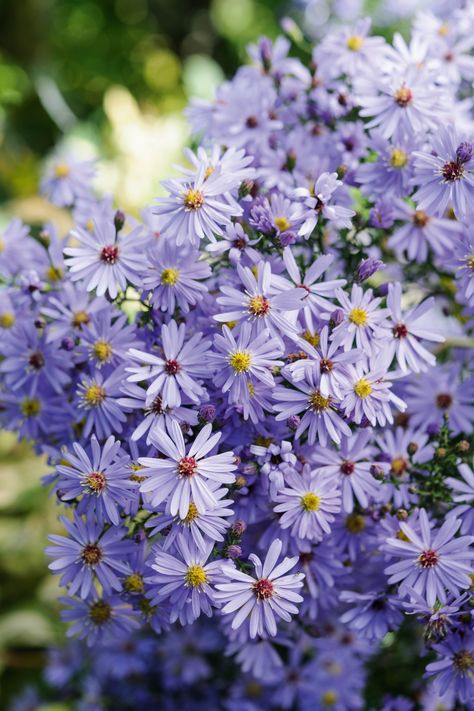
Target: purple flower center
(400, 330)
(428, 558)
(326, 365)
(444, 401)
(452, 170)
(420, 218)
(36, 360)
(172, 366)
(91, 554)
(263, 589)
(109, 254)
(187, 467)
(347, 467)
(251, 122)
(156, 407)
(259, 305)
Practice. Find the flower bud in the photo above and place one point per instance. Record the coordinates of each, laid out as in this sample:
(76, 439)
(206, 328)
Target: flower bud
(293, 422)
(67, 344)
(412, 448)
(337, 317)
(238, 527)
(233, 552)
(377, 472)
(119, 220)
(207, 413)
(464, 152)
(463, 446)
(402, 514)
(368, 267)
(440, 452)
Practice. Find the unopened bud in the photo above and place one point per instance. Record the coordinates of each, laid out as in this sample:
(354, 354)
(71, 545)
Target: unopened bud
(293, 422)
(402, 514)
(119, 220)
(238, 527)
(368, 267)
(207, 413)
(67, 344)
(245, 188)
(412, 448)
(377, 472)
(233, 552)
(463, 446)
(337, 317)
(441, 452)
(464, 152)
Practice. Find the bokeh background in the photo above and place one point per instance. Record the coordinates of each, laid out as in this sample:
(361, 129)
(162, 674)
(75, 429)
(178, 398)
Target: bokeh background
(106, 79)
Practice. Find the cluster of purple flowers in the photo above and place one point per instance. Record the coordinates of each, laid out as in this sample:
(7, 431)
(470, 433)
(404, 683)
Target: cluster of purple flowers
(240, 394)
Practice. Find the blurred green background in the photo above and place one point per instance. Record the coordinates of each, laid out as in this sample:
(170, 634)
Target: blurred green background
(106, 79)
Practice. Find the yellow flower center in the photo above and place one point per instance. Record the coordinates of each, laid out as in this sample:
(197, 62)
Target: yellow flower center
(7, 319)
(134, 583)
(443, 29)
(358, 316)
(355, 523)
(53, 273)
(318, 402)
(259, 305)
(30, 407)
(102, 350)
(402, 536)
(195, 576)
(398, 158)
(329, 698)
(90, 225)
(362, 388)
(399, 466)
(310, 501)
(169, 277)
(193, 199)
(470, 263)
(94, 395)
(312, 338)
(240, 361)
(354, 43)
(192, 514)
(80, 318)
(61, 170)
(282, 223)
(100, 612)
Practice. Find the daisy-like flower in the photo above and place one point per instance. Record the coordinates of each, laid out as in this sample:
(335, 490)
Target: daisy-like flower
(317, 291)
(367, 394)
(349, 469)
(391, 172)
(371, 615)
(99, 620)
(67, 180)
(181, 477)
(245, 360)
(263, 303)
(454, 667)
(236, 243)
(185, 580)
(89, 553)
(318, 201)
(174, 276)
(431, 561)
(307, 503)
(363, 320)
(320, 417)
(444, 176)
(97, 396)
(350, 50)
(407, 331)
(463, 264)
(463, 496)
(198, 208)
(174, 372)
(106, 260)
(100, 479)
(107, 338)
(422, 231)
(270, 594)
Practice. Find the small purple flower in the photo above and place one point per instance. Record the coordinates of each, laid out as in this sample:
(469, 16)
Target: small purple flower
(100, 619)
(67, 180)
(454, 667)
(318, 201)
(271, 594)
(431, 562)
(97, 395)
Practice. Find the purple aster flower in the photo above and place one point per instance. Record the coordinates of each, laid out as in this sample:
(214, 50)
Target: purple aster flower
(271, 594)
(174, 276)
(107, 338)
(99, 620)
(275, 216)
(463, 264)
(363, 320)
(444, 176)
(306, 504)
(106, 260)
(390, 174)
(16, 247)
(185, 580)
(431, 562)
(176, 371)
(181, 477)
(422, 231)
(349, 50)
(67, 180)
(100, 478)
(441, 391)
(245, 360)
(320, 417)
(371, 614)
(382, 214)
(266, 303)
(454, 666)
(318, 291)
(89, 553)
(70, 313)
(350, 469)
(97, 395)
(318, 201)
(407, 331)
(367, 393)
(236, 243)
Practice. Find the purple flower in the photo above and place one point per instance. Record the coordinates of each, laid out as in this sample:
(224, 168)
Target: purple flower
(262, 598)
(306, 504)
(371, 615)
(176, 371)
(68, 180)
(463, 495)
(181, 477)
(363, 320)
(367, 393)
(100, 619)
(185, 580)
(98, 396)
(454, 667)
(318, 201)
(105, 260)
(431, 562)
(101, 479)
(89, 553)
(318, 290)
(443, 178)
